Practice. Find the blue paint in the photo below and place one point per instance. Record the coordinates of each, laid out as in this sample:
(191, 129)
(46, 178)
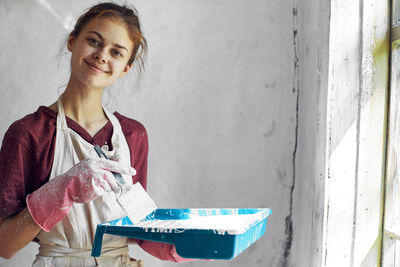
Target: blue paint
(189, 243)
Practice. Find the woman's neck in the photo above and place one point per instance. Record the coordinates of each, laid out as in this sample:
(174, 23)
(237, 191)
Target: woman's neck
(83, 105)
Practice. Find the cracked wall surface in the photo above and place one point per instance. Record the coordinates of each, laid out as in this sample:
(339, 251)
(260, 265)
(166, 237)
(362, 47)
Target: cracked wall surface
(287, 245)
(311, 22)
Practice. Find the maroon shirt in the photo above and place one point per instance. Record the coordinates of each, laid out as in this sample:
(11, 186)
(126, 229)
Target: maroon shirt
(27, 152)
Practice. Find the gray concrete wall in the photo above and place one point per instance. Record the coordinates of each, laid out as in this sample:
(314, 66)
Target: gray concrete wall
(312, 46)
(232, 98)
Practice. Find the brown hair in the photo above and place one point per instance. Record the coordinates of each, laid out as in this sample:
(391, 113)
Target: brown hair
(128, 15)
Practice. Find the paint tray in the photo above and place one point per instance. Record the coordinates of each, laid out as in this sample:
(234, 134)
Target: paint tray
(196, 233)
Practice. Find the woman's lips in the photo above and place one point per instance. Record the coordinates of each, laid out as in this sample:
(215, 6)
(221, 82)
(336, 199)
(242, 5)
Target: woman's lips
(94, 67)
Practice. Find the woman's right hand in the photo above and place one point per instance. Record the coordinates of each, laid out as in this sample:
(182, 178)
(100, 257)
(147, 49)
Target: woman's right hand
(92, 178)
(86, 181)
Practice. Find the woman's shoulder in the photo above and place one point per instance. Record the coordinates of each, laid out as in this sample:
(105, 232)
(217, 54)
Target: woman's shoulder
(33, 126)
(130, 126)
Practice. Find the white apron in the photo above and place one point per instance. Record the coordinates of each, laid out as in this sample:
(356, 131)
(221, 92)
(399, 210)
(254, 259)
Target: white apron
(69, 243)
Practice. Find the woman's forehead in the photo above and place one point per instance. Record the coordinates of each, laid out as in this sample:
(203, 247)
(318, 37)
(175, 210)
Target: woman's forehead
(111, 29)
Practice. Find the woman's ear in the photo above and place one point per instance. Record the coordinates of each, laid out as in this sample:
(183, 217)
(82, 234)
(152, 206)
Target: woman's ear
(71, 39)
(125, 71)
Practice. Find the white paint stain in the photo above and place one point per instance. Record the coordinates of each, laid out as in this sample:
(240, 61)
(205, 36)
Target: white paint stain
(220, 224)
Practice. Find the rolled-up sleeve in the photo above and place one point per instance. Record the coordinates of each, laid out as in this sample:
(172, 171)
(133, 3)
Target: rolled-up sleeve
(16, 167)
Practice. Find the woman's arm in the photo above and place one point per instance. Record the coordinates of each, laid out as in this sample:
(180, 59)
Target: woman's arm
(16, 232)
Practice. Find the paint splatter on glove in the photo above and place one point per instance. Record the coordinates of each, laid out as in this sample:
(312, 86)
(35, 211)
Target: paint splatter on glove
(84, 182)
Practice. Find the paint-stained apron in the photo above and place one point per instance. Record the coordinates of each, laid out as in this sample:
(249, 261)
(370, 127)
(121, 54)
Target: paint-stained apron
(69, 243)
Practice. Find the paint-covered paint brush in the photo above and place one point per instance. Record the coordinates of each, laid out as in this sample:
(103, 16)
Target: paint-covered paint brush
(133, 199)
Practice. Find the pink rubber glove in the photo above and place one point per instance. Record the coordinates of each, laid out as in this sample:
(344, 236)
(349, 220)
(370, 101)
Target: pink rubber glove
(84, 182)
(162, 251)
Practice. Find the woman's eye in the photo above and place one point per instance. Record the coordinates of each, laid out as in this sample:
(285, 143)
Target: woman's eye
(93, 42)
(116, 53)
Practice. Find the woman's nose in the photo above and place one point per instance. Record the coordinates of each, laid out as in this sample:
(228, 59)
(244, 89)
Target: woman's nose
(100, 56)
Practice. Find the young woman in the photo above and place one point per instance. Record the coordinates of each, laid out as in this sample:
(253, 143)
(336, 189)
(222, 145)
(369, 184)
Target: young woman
(53, 187)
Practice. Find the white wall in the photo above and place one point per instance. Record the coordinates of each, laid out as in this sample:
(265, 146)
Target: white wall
(219, 98)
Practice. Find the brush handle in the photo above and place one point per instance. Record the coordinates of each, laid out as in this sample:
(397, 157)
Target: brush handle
(100, 153)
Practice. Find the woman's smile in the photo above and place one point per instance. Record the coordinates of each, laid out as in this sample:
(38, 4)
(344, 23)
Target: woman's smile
(93, 66)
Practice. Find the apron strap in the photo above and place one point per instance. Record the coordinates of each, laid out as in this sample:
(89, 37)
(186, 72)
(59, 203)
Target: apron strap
(61, 120)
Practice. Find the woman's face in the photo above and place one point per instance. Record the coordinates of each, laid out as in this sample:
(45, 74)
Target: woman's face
(100, 53)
